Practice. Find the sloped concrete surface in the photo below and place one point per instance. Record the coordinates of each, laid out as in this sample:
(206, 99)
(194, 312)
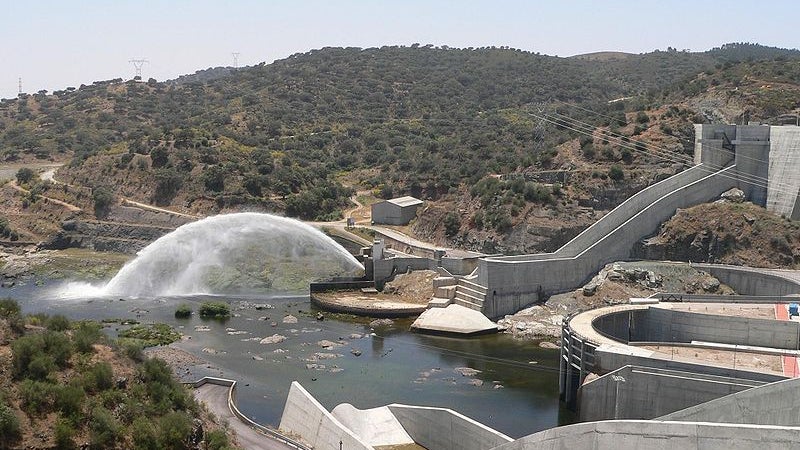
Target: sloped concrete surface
(455, 319)
(376, 427)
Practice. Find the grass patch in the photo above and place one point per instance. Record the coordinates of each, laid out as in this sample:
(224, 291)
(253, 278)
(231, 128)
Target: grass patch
(215, 310)
(151, 335)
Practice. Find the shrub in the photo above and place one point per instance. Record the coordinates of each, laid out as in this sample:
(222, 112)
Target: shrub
(184, 311)
(9, 426)
(144, 435)
(216, 440)
(58, 323)
(8, 308)
(104, 430)
(99, 377)
(36, 355)
(174, 431)
(215, 310)
(35, 396)
(69, 400)
(85, 336)
(64, 433)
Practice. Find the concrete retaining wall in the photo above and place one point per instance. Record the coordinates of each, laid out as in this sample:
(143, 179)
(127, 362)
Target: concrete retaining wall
(517, 281)
(772, 404)
(646, 393)
(642, 434)
(305, 417)
(666, 325)
(444, 429)
(784, 171)
(748, 281)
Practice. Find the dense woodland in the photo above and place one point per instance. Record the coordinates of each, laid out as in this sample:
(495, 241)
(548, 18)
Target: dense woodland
(300, 134)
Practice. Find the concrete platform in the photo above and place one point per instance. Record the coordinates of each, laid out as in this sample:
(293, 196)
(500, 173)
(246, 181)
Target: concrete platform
(454, 319)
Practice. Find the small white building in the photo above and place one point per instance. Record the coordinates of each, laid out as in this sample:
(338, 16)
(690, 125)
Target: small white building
(397, 211)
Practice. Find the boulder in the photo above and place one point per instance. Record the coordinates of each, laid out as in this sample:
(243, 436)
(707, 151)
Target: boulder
(733, 195)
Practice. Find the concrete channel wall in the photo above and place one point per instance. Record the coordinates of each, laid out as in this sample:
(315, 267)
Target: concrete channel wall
(305, 417)
(666, 325)
(784, 171)
(772, 404)
(515, 282)
(445, 429)
(652, 435)
(750, 281)
(634, 392)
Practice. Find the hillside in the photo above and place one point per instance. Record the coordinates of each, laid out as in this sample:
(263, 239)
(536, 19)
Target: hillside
(727, 233)
(455, 127)
(66, 386)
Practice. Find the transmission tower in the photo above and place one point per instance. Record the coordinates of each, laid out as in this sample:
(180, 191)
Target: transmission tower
(20, 85)
(137, 64)
(235, 59)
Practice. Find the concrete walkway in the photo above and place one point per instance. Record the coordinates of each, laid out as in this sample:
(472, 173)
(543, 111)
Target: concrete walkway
(790, 364)
(215, 398)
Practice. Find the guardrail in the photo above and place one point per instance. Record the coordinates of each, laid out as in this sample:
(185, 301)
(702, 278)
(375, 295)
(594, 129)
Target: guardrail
(269, 432)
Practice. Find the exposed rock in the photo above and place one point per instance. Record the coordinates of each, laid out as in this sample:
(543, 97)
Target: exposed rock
(733, 195)
(257, 358)
(329, 344)
(356, 336)
(547, 344)
(466, 371)
(290, 319)
(274, 339)
(377, 323)
(355, 352)
(476, 382)
(590, 288)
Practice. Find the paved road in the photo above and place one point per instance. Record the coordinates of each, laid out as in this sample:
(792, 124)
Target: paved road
(216, 399)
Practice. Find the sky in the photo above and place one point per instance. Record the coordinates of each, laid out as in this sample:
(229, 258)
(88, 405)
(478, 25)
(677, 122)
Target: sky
(55, 44)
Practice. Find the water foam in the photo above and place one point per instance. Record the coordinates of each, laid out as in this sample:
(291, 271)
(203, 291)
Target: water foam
(232, 253)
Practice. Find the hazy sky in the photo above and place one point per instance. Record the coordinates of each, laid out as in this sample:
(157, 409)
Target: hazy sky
(55, 44)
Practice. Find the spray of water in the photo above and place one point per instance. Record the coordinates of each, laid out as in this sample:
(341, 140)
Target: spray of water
(233, 253)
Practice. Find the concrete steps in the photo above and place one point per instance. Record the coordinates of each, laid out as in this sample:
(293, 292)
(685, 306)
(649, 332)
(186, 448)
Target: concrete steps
(470, 295)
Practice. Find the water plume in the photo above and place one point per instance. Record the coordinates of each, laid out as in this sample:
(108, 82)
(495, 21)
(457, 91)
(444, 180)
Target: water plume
(234, 253)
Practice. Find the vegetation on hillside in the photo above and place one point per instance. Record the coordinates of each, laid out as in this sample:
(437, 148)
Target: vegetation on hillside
(298, 135)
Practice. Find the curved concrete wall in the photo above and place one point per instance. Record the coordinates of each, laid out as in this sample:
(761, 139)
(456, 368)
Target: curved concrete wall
(750, 281)
(773, 404)
(666, 325)
(651, 435)
(445, 429)
(515, 282)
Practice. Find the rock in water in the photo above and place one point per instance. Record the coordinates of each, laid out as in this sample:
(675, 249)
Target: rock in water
(290, 319)
(274, 339)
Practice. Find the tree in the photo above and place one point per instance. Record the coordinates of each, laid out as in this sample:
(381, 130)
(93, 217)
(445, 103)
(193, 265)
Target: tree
(214, 178)
(168, 183)
(451, 224)
(159, 157)
(616, 173)
(24, 175)
(103, 199)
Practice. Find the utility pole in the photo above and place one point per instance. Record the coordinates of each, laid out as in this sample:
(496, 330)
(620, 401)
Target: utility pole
(235, 59)
(137, 65)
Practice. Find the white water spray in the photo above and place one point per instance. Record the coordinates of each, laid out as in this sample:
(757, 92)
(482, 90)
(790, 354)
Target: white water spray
(233, 253)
